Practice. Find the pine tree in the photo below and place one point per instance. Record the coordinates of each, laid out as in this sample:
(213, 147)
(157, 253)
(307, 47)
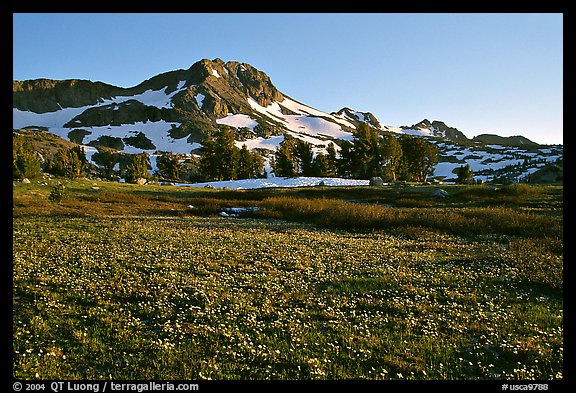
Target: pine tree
(332, 160)
(25, 164)
(418, 158)
(137, 169)
(190, 169)
(344, 163)
(285, 160)
(208, 164)
(391, 152)
(366, 157)
(465, 175)
(246, 161)
(321, 166)
(305, 158)
(226, 154)
(70, 163)
(250, 164)
(106, 159)
(219, 156)
(169, 165)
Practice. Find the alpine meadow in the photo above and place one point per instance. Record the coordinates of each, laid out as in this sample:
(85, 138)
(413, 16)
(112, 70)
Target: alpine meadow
(128, 281)
(203, 225)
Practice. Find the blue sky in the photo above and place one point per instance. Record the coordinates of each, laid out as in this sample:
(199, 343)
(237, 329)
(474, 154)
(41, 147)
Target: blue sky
(481, 73)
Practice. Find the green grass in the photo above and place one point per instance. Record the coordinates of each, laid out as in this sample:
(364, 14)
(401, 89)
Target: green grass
(127, 282)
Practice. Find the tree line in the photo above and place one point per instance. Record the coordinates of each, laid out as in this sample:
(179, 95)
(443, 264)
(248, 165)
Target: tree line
(220, 160)
(368, 154)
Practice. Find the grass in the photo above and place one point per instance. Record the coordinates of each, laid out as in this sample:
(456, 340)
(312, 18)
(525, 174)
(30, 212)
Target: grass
(129, 282)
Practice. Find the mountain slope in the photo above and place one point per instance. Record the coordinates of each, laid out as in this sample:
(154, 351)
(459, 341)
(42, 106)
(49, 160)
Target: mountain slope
(176, 110)
(173, 111)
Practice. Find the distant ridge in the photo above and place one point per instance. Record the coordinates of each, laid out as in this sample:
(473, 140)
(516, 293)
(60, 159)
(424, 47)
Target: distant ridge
(517, 140)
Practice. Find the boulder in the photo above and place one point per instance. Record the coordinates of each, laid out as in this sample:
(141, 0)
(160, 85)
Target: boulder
(440, 193)
(376, 181)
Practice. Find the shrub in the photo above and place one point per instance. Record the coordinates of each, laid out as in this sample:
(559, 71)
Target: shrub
(335, 213)
(57, 193)
(520, 189)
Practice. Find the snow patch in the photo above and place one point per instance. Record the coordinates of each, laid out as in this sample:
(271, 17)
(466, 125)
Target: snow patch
(157, 98)
(238, 121)
(199, 99)
(279, 182)
(417, 132)
(307, 122)
(271, 143)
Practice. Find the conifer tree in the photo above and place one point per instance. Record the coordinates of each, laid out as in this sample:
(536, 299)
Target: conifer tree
(106, 159)
(25, 163)
(285, 160)
(208, 164)
(137, 168)
(219, 156)
(344, 163)
(331, 160)
(465, 175)
(305, 158)
(246, 163)
(169, 165)
(70, 163)
(321, 166)
(418, 158)
(226, 154)
(366, 157)
(391, 153)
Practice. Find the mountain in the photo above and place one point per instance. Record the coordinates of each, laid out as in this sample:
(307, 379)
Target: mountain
(176, 110)
(435, 128)
(517, 140)
(173, 111)
(355, 116)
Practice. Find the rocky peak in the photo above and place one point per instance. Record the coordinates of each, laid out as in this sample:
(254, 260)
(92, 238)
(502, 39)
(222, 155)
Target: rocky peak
(423, 124)
(364, 117)
(257, 84)
(439, 129)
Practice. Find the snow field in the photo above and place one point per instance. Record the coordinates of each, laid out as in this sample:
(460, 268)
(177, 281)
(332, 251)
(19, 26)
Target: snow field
(246, 184)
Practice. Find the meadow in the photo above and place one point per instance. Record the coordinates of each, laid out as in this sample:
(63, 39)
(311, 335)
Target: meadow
(149, 282)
